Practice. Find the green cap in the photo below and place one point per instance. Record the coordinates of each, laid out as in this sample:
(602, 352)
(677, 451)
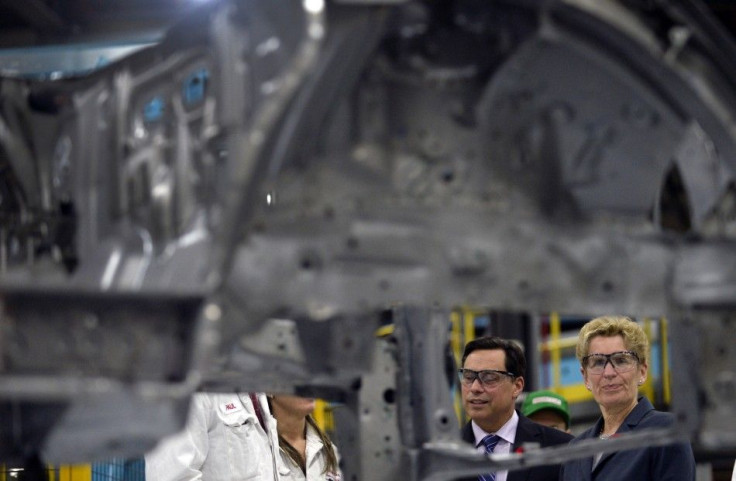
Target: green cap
(538, 400)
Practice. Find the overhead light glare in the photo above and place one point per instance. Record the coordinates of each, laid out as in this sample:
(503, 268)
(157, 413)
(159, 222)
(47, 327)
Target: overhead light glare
(314, 6)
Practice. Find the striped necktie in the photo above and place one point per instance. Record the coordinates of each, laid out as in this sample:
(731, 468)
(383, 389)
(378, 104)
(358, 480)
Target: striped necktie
(489, 442)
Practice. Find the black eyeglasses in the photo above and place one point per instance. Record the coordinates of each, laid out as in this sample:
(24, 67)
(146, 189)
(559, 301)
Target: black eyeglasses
(487, 377)
(622, 361)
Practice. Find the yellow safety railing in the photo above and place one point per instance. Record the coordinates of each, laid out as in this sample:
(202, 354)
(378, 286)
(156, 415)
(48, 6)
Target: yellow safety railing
(555, 328)
(322, 415)
(664, 346)
(384, 331)
(554, 346)
(457, 343)
(75, 473)
(462, 331)
(61, 473)
(648, 387)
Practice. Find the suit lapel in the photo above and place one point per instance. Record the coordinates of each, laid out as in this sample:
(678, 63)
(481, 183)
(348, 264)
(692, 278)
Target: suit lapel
(632, 420)
(467, 434)
(525, 433)
(586, 464)
(518, 475)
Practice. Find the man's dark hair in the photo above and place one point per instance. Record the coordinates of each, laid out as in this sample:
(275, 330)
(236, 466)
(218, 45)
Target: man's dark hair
(515, 359)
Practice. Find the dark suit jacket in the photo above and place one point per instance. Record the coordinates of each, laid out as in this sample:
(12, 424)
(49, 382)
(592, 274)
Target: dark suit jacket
(529, 432)
(674, 462)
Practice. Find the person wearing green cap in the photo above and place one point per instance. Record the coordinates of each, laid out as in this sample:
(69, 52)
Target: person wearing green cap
(547, 408)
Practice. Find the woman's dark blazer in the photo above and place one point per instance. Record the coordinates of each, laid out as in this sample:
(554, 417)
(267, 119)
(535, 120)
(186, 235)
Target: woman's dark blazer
(673, 462)
(528, 432)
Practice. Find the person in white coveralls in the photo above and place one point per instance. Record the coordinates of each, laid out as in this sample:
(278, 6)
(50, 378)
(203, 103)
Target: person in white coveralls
(228, 437)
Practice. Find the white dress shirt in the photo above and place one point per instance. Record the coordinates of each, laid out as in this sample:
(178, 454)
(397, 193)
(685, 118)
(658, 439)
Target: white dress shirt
(507, 433)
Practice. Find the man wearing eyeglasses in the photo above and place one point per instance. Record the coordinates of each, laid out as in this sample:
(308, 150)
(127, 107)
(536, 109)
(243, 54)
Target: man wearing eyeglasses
(491, 378)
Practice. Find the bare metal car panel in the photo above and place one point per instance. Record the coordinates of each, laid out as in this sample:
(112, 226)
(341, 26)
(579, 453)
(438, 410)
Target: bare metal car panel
(235, 206)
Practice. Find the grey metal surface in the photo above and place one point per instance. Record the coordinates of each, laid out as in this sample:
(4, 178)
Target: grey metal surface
(268, 163)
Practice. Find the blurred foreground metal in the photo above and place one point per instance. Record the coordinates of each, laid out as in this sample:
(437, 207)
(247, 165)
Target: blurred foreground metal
(235, 207)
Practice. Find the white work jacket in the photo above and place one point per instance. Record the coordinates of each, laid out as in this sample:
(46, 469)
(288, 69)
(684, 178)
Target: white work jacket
(316, 461)
(223, 441)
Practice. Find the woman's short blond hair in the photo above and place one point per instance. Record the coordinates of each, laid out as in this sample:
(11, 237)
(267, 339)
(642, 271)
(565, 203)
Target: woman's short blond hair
(609, 326)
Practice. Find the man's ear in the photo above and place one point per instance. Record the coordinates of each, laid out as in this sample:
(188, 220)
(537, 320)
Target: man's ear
(518, 386)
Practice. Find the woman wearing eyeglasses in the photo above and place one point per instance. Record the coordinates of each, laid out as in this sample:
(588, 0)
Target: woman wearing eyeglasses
(613, 357)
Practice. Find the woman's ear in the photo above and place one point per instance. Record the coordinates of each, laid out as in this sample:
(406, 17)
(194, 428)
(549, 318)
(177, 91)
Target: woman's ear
(585, 379)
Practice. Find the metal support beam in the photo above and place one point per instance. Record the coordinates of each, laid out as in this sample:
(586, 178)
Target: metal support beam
(37, 13)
